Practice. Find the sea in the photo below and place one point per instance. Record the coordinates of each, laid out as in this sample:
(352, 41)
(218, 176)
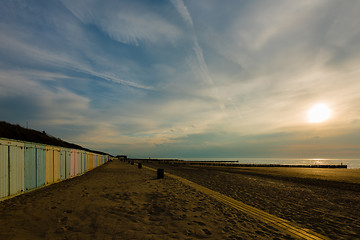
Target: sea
(351, 163)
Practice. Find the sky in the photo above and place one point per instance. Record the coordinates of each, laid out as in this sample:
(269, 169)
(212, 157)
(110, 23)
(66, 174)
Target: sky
(181, 78)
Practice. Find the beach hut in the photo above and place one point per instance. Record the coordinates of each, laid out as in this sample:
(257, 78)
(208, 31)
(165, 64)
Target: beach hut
(57, 166)
(4, 169)
(30, 167)
(84, 160)
(67, 163)
(90, 161)
(62, 163)
(16, 167)
(79, 162)
(72, 168)
(76, 163)
(40, 165)
(49, 164)
(95, 161)
(12, 167)
(85, 156)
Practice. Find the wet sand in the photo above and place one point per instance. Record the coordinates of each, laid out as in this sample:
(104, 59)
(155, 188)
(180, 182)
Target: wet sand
(326, 201)
(120, 201)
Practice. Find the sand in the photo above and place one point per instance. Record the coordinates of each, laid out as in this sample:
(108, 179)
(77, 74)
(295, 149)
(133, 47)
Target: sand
(326, 201)
(120, 201)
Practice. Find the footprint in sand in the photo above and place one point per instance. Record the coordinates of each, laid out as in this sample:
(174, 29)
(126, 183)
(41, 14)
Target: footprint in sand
(63, 220)
(200, 223)
(227, 229)
(198, 209)
(178, 217)
(187, 232)
(69, 228)
(206, 231)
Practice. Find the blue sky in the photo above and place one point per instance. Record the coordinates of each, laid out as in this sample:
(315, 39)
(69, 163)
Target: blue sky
(185, 78)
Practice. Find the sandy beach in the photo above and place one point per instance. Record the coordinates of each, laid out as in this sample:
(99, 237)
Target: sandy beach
(120, 201)
(326, 201)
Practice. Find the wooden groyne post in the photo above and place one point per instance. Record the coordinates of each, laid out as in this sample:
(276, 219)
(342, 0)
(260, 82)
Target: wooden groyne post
(160, 173)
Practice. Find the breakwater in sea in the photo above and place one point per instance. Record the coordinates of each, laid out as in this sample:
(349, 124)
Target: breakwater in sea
(234, 163)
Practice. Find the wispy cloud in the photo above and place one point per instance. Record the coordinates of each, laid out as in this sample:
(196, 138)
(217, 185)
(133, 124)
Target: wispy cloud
(182, 9)
(204, 71)
(121, 21)
(48, 106)
(27, 53)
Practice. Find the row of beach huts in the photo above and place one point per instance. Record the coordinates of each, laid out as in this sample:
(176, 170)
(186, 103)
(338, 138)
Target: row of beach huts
(25, 166)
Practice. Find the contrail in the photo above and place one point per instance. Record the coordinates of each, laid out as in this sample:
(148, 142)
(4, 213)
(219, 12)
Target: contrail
(183, 11)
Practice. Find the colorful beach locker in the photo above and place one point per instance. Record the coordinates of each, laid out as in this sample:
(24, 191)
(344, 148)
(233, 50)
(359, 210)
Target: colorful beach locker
(62, 164)
(49, 164)
(95, 164)
(12, 168)
(72, 168)
(30, 167)
(41, 165)
(56, 164)
(74, 163)
(91, 161)
(16, 167)
(83, 157)
(4, 169)
(86, 161)
(82, 161)
(68, 163)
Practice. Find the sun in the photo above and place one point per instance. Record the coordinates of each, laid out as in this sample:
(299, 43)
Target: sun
(319, 113)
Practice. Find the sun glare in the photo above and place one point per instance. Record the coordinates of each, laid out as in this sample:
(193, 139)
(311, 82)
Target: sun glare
(319, 113)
